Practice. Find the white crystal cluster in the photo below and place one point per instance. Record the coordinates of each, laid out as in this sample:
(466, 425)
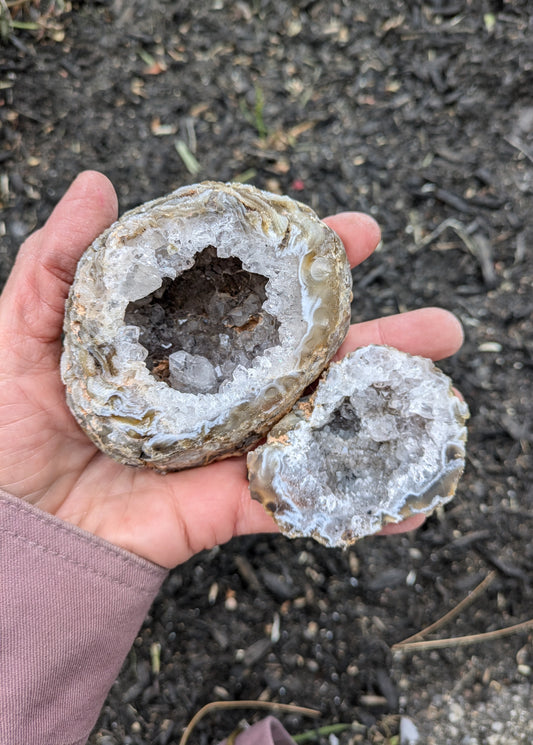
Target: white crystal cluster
(191, 372)
(382, 438)
(166, 364)
(205, 323)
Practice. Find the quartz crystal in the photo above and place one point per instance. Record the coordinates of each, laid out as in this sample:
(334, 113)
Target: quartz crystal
(382, 438)
(198, 319)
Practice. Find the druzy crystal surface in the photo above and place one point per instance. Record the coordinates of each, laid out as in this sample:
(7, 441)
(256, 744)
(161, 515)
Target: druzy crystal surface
(197, 320)
(381, 438)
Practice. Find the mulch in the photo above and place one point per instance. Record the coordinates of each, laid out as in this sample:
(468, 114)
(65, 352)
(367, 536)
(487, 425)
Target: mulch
(419, 113)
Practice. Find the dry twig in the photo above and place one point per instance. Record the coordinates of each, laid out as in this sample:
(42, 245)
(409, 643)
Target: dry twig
(476, 592)
(414, 643)
(270, 705)
(461, 641)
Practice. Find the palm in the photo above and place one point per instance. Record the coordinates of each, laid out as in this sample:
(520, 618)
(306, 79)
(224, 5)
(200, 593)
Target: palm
(47, 459)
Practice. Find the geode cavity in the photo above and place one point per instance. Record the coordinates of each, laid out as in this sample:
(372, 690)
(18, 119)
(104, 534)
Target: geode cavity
(382, 438)
(197, 320)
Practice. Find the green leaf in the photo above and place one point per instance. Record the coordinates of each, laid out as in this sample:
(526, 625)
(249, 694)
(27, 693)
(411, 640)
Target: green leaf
(25, 25)
(328, 729)
(146, 57)
(489, 20)
(258, 111)
(242, 178)
(190, 162)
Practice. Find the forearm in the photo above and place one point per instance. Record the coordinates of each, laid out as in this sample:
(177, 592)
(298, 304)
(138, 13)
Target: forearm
(70, 607)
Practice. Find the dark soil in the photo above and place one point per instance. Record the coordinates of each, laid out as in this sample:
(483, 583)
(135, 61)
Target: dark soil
(420, 113)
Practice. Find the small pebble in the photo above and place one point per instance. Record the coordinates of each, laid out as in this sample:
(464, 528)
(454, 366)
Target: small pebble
(231, 603)
(490, 346)
(408, 732)
(456, 712)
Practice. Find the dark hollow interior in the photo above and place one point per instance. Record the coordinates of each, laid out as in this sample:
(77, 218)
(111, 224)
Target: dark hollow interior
(215, 297)
(345, 423)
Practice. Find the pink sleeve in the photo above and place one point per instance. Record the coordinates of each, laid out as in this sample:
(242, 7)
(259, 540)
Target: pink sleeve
(71, 605)
(267, 731)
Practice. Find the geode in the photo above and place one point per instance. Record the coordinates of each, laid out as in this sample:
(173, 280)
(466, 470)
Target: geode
(198, 319)
(381, 438)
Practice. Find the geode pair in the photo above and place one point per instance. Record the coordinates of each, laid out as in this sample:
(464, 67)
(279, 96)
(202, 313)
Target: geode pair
(196, 322)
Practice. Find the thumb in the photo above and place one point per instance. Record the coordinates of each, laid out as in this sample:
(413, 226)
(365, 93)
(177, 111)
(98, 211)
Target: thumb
(32, 304)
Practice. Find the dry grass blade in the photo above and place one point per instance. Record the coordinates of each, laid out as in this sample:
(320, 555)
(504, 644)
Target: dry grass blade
(465, 602)
(461, 641)
(269, 705)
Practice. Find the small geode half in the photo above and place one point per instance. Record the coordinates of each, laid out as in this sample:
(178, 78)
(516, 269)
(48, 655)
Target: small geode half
(381, 438)
(198, 319)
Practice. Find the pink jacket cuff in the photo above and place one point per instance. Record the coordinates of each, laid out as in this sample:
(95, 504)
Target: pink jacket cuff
(71, 605)
(268, 731)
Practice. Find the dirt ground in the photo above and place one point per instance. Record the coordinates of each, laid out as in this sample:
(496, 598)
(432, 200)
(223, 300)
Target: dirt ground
(420, 113)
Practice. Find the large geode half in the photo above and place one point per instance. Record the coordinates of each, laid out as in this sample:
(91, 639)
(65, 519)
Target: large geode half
(197, 320)
(382, 438)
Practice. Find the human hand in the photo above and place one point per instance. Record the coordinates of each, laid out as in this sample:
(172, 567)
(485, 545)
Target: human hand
(46, 459)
